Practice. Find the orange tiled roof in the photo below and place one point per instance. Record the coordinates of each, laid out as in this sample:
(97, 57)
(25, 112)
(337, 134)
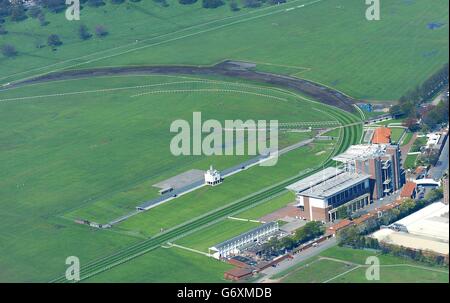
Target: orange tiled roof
(340, 225)
(408, 190)
(382, 135)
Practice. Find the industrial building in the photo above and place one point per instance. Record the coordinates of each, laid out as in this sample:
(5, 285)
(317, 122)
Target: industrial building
(235, 245)
(321, 195)
(382, 162)
(425, 230)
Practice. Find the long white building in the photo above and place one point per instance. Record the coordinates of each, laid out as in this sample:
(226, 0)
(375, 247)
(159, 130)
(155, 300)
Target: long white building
(234, 245)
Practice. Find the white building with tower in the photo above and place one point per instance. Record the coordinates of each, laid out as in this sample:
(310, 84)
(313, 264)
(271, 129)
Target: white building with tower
(213, 177)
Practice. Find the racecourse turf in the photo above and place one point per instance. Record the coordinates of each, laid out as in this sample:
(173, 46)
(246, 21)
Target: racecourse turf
(327, 41)
(347, 265)
(73, 144)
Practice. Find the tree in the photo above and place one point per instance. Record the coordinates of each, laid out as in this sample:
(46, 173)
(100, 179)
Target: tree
(287, 243)
(212, 3)
(54, 6)
(83, 32)
(9, 50)
(95, 3)
(252, 3)
(187, 2)
(3, 31)
(308, 232)
(434, 195)
(18, 13)
(5, 8)
(34, 11)
(42, 20)
(53, 40)
(412, 124)
(234, 6)
(117, 1)
(101, 31)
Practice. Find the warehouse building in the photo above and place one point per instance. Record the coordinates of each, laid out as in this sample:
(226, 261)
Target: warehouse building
(382, 162)
(235, 245)
(323, 195)
(425, 230)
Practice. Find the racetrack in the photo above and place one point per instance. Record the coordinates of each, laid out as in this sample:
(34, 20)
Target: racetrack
(351, 135)
(311, 89)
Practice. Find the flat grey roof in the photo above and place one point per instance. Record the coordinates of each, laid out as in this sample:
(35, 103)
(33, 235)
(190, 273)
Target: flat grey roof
(314, 179)
(334, 185)
(250, 232)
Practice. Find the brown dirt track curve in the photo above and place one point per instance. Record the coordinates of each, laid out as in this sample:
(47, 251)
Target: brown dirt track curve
(232, 69)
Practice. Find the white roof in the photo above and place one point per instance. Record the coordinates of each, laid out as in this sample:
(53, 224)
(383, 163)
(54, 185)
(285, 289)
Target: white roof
(326, 183)
(314, 179)
(428, 229)
(362, 152)
(431, 221)
(412, 241)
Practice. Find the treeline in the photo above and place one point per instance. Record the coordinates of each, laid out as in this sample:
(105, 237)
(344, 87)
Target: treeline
(357, 236)
(308, 232)
(410, 104)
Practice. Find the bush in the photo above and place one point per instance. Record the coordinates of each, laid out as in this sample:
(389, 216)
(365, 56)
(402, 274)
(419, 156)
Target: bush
(18, 13)
(101, 31)
(54, 6)
(34, 11)
(234, 6)
(187, 2)
(42, 20)
(53, 40)
(8, 50)
(3, 31)
(95, 3)
(212, 3)
(83, 32)
(252, 3)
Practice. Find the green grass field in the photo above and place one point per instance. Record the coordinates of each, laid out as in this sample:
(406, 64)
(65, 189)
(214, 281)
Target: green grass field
(396, 134)
(169, 265)
(410, 161)
(56, 168)
(346, 265)
(268, 207)
(330, 42)
(407, 138)
(93, 148)
(216, 233)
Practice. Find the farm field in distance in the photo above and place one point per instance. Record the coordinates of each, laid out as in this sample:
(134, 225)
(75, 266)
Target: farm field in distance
(90, 128)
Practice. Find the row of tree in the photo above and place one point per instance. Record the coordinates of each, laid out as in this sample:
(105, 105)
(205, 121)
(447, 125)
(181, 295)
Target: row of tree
(54, 40)
(308, 232)
(356, 236)
(410, 104)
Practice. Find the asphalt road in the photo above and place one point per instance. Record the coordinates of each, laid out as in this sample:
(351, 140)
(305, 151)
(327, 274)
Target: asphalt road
(299, 257)
(436, 172)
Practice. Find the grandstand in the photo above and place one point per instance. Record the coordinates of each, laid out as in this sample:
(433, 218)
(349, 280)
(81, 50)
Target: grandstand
(235, 245)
